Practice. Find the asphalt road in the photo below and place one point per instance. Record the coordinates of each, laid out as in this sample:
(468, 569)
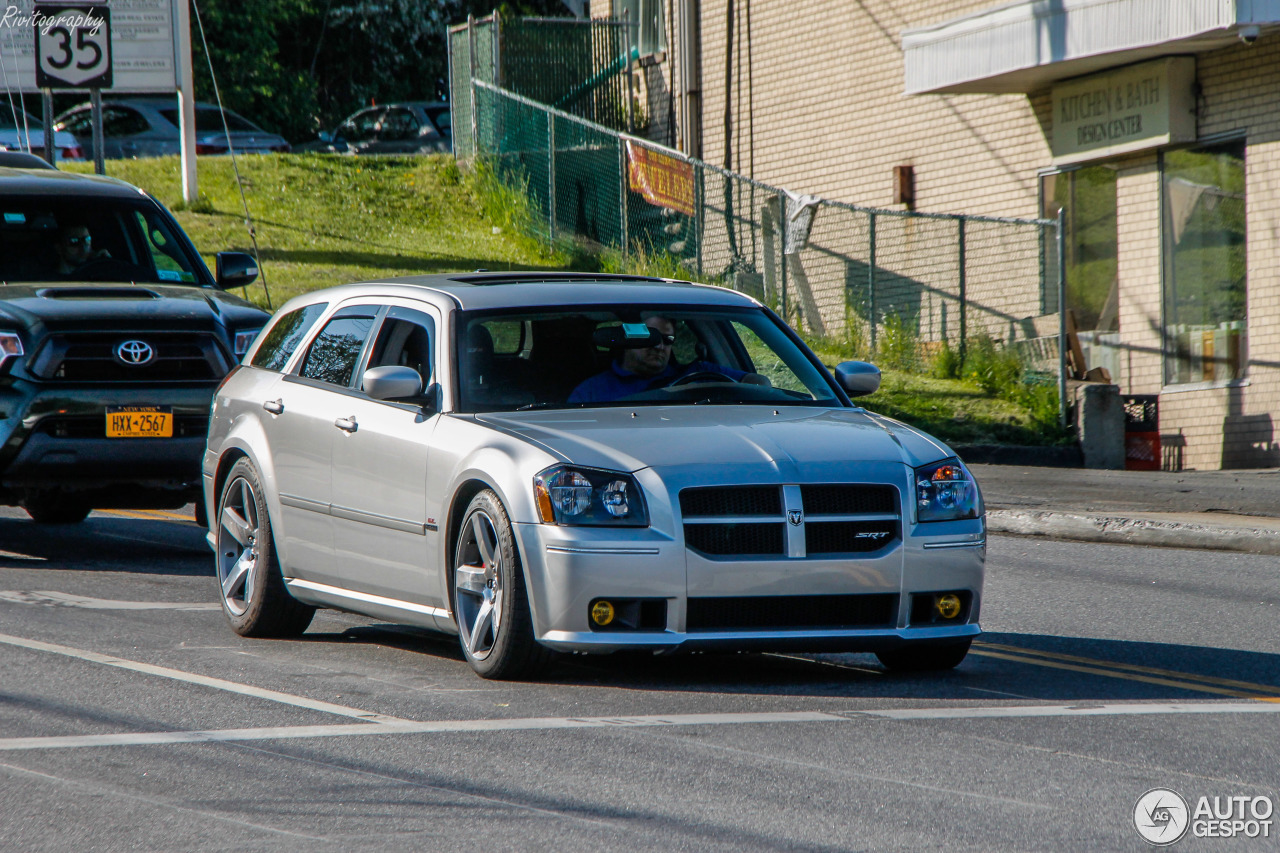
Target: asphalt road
(132, 718)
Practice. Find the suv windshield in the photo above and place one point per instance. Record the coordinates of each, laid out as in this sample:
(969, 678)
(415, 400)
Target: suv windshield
(634, 356)
(44, 238)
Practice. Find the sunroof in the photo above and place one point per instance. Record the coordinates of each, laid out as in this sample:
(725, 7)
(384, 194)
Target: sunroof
(553, 278)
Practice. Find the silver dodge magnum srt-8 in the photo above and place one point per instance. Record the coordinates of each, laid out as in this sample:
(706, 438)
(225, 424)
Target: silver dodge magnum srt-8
(561, 462)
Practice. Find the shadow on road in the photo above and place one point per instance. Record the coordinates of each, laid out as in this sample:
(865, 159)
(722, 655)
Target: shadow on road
(1003, 666)
(105, 543)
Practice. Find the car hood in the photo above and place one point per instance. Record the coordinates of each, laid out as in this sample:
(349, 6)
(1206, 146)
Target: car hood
(58, 305)
(799, 442)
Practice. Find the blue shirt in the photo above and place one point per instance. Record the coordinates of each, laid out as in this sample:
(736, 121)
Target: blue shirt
(618, 382)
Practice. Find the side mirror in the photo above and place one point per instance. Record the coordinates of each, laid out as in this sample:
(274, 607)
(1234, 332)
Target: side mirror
(235, 269)
(391, 382)
(859, 378)
(324, 136)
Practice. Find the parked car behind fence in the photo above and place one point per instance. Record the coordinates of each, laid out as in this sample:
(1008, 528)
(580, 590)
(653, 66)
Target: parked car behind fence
(148, 127)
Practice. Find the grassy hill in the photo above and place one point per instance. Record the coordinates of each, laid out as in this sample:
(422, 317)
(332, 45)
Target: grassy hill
(326, 220)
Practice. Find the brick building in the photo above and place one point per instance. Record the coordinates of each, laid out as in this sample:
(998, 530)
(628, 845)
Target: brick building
(1155, 124)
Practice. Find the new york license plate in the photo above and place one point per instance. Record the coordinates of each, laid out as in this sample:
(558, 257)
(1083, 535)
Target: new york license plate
(139, 422)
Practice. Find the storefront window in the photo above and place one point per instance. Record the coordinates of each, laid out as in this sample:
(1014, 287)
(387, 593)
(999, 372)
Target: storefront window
(1087, 196)
(1204, 263)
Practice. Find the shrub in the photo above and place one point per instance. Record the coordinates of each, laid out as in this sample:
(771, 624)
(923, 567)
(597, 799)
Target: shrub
(946, 362)
(896, 347)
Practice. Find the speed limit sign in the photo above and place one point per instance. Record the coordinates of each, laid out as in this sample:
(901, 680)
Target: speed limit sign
(73, 47)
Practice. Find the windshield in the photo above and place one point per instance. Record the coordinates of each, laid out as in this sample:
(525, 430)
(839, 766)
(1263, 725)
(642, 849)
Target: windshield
(209, 120)
(25, 121)
(91, 239)
(632, 356)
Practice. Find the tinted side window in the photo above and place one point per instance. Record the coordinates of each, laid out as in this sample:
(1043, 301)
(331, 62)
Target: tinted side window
(122, 121)
(406, 338)
(336, 350)
(79, 123)
(284, 336)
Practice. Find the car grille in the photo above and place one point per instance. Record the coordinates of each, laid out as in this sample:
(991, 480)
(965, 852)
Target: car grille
(753, 521)
(95, 426)
(878, 610)
(90, 357)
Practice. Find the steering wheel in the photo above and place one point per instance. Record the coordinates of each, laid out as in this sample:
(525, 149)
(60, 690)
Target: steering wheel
(702, 376)
(107, 269)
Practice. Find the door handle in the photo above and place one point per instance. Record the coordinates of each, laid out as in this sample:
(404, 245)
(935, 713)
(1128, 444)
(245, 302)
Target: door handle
(346, 424)
(275, 407)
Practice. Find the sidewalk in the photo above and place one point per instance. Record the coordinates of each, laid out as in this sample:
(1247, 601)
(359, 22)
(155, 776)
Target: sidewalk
(1219, 510)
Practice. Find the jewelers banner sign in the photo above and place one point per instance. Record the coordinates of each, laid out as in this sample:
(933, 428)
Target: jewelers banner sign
(663, 180)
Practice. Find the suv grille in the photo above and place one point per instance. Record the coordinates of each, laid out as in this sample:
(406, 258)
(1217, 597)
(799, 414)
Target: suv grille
(90, 357)
(876, 610)
(752, 521)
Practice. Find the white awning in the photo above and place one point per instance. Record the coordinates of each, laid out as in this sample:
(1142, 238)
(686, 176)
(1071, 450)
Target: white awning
(1029, 44)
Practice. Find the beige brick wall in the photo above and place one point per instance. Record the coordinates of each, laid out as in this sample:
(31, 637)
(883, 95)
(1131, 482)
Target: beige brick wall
(829, 118)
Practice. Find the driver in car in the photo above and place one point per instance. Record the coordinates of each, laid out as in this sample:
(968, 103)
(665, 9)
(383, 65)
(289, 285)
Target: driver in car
(74, 248)
(646, 368)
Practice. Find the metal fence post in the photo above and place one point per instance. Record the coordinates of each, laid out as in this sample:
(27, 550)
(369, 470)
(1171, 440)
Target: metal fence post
(551, 172)
(471, 84)
(871, 278)
(622, 195)
(964, 301)
(1062, 317)
(782, 242)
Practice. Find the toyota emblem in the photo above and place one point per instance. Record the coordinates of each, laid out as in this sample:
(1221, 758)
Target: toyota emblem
(135, 353)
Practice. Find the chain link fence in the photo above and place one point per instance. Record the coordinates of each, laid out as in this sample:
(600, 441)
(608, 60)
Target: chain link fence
(899, 285)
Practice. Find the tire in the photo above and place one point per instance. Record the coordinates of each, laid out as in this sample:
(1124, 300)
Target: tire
(925, 657)
(490, 603)
(250, 585)
(201, 514)
(49, 506)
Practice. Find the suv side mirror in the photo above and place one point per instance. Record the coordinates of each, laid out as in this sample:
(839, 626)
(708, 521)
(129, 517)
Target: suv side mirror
(235, 269)
(391, 382)
(859, 378)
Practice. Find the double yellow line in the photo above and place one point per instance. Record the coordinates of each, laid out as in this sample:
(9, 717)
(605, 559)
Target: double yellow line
(149, 514)
(1130, 672)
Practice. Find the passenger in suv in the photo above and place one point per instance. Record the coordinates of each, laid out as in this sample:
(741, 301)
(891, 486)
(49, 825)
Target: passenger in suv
(113, 336)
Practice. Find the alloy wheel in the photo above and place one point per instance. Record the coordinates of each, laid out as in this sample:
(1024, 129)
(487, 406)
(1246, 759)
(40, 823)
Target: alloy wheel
(238, 543)
(477, 582)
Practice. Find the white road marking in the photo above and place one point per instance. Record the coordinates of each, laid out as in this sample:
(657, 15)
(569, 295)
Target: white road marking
(66, 599)
(192, 678)
(406, 727)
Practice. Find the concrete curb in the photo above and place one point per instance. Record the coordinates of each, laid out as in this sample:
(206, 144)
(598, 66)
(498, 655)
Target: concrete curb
(1136, 530)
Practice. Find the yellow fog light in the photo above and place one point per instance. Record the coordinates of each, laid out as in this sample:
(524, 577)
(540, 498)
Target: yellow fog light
(602, 613)
(948, 606)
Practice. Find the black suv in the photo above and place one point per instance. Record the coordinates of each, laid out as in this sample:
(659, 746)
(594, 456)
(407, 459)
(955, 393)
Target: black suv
(113, 337)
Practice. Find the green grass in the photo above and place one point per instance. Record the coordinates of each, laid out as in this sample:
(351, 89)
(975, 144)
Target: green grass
(326, 220)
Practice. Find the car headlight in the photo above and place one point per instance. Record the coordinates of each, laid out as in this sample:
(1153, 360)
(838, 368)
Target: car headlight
(572, 496)
(10, 348)
(945, 491)
(244, 340)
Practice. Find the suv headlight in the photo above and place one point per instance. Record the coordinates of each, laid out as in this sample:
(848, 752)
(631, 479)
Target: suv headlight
(244, 340)
(573, 496)
(945, 491)
(10, 348)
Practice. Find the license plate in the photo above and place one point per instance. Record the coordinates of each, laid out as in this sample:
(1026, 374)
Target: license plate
(139, 422)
